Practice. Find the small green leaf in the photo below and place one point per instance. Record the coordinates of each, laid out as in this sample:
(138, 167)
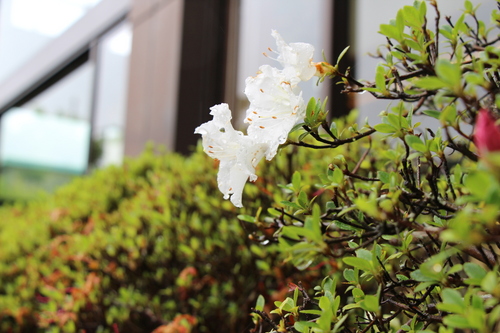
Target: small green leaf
(385, 128)
(380, 79)
(370, 303)
(490, 282)
(429, 83)
(448, 72)
(302, 199)
(260, 303)
(385, 177)
(415, 143)
(359, 263)
(296, 181)
(456, 321)
(247, 218)
(341, 55)
(432, 113)
(475, 272)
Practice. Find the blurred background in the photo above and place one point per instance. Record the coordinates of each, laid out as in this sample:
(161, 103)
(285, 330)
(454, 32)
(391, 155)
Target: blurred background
(84, 83)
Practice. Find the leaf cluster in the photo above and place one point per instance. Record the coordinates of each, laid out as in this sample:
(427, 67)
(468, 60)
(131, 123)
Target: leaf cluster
(403, 214)
(137, 247)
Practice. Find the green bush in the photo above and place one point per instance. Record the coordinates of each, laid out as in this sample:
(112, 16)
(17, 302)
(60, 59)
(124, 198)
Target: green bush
(413, 208)
(127, 249)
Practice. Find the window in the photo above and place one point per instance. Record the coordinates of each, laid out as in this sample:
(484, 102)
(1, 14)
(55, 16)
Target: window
(63, 98)
(111, 96)
(26, 26)
(45, 142)
(296, 21)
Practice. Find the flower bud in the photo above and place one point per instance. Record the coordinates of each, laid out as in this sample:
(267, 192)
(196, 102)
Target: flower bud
(487, 133)
(487, 141)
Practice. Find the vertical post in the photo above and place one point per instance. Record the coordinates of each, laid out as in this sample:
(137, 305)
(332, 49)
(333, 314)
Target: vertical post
(341, 39)
(202, 73)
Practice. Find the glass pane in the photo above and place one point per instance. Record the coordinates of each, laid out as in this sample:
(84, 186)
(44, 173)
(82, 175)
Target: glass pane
(28, 25)
(46, 141)
(111, 102)
(296, 21)
(369, 14)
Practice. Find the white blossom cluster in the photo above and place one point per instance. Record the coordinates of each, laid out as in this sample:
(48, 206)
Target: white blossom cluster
(276, 105)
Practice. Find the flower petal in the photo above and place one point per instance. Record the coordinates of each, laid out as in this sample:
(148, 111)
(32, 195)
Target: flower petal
(297, 56)
(274, 109)
(238, 153)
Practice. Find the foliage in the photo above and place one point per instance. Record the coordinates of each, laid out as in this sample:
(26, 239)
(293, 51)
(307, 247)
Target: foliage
(129, 249)
(407, 217)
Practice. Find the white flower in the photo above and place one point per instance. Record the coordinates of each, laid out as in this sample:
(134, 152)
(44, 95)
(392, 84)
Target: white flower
(295, 58)
(237, 153)
(275, 107)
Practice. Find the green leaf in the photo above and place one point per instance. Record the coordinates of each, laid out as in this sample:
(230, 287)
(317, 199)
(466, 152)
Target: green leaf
(380, 79)
(341, 55)
(302, 200)
(365, 254)
(247, 218)
(286, 305)
(290, 204)
(333, 129)
(490, 282)
(415, 143)
(338, 176)
(429, 83)
(303, 326)
(432, 113)
(448, 72)
(385, 128)
(449, 114)
(475, 272)
(385, 177)
(456, 321)
(412, 17)
(260, 303)
(418, 276)
(452, 301)
(349, 275)
(359, 263)
(390, 31)
(296, 181)
(370, 303)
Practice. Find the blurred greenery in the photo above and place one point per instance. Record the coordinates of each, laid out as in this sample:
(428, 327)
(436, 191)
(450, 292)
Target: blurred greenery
(130, 248)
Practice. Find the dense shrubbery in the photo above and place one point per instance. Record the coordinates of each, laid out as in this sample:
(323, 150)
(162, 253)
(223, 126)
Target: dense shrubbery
(398, 230)
(127, 249)
(412, 226)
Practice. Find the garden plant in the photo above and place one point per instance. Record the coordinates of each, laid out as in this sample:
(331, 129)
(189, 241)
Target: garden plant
(347, 227)
(143, 247)
(405, 215)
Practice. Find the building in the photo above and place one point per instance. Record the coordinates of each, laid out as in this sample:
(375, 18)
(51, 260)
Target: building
(84, 83)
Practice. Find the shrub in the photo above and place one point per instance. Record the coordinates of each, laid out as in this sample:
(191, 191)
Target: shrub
(128, 249)
(409, 215)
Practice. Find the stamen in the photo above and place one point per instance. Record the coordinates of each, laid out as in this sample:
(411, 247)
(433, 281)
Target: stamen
(249, 119)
